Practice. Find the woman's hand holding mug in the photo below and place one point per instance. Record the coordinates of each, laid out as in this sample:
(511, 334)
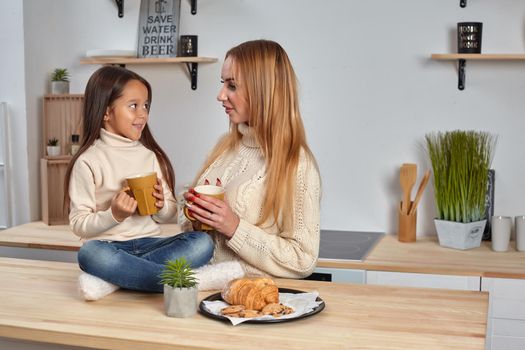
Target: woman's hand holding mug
(206, 204)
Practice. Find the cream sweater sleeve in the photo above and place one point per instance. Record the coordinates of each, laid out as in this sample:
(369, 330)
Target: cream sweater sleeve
(289, 254)
(84, 219)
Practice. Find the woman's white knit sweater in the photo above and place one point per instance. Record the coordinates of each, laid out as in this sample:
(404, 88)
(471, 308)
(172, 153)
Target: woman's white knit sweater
(266, 250)
(98, 175)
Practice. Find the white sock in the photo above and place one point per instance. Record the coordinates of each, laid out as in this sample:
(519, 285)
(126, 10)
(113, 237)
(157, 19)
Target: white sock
(93, 288)
(215, 276)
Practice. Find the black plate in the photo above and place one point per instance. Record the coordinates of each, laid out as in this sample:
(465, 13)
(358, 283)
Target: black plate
(217, 296)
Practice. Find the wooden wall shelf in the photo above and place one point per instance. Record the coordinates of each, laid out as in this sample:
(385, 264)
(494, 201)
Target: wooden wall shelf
(192, 63)
(463, 57)
(193, 3)
(479, 56)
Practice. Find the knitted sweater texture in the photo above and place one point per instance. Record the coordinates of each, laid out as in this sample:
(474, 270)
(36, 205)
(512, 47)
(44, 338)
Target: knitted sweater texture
(266, 249)
(98, 175)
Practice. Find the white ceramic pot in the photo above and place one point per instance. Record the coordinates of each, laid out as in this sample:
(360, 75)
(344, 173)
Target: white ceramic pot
(460, 235)
(53, 151)
(180, 302)
(59, 87)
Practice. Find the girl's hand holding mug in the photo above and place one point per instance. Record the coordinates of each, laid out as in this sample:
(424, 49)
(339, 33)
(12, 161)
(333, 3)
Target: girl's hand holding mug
(123, 206)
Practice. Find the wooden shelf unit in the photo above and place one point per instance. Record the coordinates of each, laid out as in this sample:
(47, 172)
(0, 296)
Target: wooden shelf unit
(192, 63)
(62, 117)
(463, 57)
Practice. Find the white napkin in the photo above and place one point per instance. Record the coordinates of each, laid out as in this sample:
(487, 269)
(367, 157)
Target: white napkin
(302, 303)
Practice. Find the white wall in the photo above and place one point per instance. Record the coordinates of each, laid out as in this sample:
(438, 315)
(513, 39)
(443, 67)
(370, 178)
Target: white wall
(369, 91)
(12, 91)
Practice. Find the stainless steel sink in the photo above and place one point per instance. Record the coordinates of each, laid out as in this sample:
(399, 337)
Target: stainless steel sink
(347, 245)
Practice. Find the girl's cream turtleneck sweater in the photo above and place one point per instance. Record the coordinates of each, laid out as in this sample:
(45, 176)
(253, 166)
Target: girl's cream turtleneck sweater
(98, 174)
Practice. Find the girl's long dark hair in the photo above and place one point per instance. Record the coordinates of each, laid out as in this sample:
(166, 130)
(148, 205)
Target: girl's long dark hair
(103, 88)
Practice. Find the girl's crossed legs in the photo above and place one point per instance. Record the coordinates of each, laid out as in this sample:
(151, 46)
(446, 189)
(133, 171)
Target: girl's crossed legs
(136, 264)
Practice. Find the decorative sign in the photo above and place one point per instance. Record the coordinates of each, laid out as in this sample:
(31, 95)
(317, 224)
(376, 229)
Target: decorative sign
(469, 37)
(158, 28)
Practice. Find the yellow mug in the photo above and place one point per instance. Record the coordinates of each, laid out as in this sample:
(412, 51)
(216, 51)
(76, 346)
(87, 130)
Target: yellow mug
(141, 186)
(207, 190)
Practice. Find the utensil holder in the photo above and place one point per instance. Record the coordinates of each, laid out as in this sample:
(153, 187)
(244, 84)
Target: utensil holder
(407, 226)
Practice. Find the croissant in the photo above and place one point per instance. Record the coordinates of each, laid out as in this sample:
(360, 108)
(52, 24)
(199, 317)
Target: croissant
(253, 293)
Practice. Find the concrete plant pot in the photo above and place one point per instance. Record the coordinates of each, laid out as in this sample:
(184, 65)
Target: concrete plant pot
(460, 235)
(53, 151)
(59, 87)
(180, 302)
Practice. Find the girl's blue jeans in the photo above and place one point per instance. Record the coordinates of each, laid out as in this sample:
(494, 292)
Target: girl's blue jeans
(136, 264)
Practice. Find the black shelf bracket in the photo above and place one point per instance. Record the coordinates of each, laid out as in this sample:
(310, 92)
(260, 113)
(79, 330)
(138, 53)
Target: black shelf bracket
(463, 3)
(193, 7)
(193, 68)
(120, 5)
(461, 74)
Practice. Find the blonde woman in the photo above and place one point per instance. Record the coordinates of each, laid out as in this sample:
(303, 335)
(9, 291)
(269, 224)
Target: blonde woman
(268, 223)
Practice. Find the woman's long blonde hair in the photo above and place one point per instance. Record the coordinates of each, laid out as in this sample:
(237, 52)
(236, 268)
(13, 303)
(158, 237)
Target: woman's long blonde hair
(263, 69)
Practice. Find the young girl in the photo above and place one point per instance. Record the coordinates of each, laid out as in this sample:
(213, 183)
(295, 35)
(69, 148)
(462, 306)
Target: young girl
(122, 249)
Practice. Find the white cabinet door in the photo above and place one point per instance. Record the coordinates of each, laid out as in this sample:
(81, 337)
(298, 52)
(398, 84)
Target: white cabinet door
(423, 280)
(340, 275)
(506, 323)
(6, 199)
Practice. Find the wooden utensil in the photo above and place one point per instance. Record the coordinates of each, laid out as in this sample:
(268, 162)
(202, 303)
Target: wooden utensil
(407, 179)
(420, 191)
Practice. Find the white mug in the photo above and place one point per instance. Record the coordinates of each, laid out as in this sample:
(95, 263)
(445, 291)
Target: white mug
(520, 232)
(501, 227)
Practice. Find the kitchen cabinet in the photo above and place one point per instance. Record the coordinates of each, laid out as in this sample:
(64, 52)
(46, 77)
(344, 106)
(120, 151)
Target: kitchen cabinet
(423, 280)
(339, 275)
(506, 319)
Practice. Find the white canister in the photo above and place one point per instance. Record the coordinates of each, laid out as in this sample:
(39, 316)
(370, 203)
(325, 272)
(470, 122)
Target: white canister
(520, 232)
(501, 227)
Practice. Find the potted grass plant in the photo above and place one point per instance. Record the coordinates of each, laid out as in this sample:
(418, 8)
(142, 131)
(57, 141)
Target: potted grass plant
(460, 163)
(60, 81)
(180, 288)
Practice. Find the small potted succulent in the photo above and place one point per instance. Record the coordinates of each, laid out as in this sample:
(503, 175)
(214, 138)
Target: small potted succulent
(60, 81)
(180, 288)
(460, 163)
(53, 147)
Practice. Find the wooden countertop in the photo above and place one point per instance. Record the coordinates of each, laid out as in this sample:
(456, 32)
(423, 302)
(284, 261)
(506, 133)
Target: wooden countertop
(427, 256)
(57, 237)
(423, 256)
(39, 303)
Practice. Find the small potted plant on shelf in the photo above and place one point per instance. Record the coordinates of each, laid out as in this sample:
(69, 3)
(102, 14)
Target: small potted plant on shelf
(460, 163)
(53, 147)
(60, 81)
(180, 288)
